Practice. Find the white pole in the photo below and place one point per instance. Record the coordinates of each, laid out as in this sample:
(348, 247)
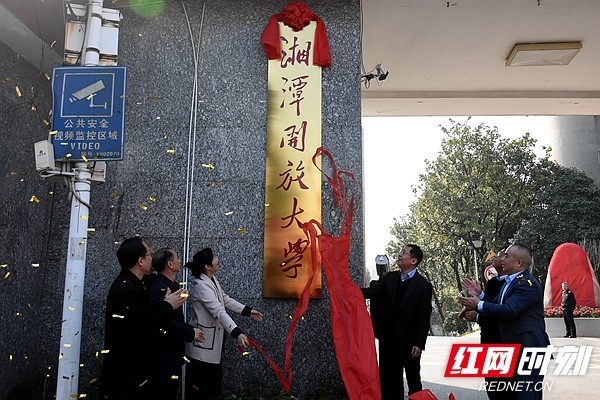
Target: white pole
(67, 386)
(70, 342)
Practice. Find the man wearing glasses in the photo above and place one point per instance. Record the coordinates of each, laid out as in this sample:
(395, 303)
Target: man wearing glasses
(130, 318)
(405, 296)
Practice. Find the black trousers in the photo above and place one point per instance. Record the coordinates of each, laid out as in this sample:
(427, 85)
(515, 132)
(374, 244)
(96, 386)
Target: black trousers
(569, 321)
(394, 362)
(203, 380)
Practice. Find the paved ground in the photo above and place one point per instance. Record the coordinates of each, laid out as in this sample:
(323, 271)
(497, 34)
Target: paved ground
(433, 365)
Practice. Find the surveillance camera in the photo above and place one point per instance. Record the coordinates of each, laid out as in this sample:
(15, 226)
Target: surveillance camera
(382, 73)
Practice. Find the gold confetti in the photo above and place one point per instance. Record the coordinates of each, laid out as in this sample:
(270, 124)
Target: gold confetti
(84, 217)
(229, 213)
(144, 207)
(81, 365)
(71, 308)
(187, 360)
(84, 158)
(104, 351)
(10, 357)
(174, 377)
(34, 199)
(143, 383)
(170, 151)
(6, 275)
(182, 283)
(60, 357)
(82, 395)
(3, 265)
(152, 199)
(67, 345)
(52, 44)
(153, 98)
(36, 265)
(118, 316)
(13, 173)
(91, 229)
(209, 166)
(45, 121)
(267, 204)
(47, 76)
(165, 136)
(246, 352)
(93, 380)
(184, 295)
(33, 108)
(18, 91)
(18, 314)
(242, 231)
(139, 34)
(158, 117)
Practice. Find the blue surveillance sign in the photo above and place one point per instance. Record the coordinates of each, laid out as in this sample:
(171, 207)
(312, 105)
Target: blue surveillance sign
(88, 116)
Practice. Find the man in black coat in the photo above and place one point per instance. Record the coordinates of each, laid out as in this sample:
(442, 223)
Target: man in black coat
(568, 306)
(130, 319)
(406, 299)
(168, 341)
(490, 326)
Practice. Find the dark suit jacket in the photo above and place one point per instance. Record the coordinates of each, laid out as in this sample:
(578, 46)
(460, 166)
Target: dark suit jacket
(521, 314)
(490, 332)
(130, 317)
(168, 342)
(407, 324)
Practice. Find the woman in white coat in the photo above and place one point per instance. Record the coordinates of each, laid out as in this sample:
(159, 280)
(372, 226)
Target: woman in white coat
(208, 302)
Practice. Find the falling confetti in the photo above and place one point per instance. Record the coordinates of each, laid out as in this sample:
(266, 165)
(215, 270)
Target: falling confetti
(229, 213)
(6, 275)
(10, 357)
(158, 117)
(34, 199)
(209, 166)
(53, 132)
(47, 76)
(18, 314)
(152, 199)
(144, 207)
(36, 265)
(143, 383)
(18, 91)
(267, 204)
(242, 231)
(91, 229)
(84, 158)
(93, 380)
(104, 351)
(84, 217)
(170, 151)
(187, 360)
(165, 136)
(3, 265)
(52, 44)
(71, 308)
(118, 316)
(45, 121)
(67, 345)
(184, 295)
(153, 98)
(182, 283)
(174, 377)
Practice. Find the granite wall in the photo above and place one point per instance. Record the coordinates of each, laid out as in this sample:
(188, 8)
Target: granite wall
(146, 192)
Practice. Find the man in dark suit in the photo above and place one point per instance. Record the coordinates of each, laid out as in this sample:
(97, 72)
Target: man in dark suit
(405, 296)
(130, 317)
(568, 307)
(520, 308)
(489, 325)
(168, 341)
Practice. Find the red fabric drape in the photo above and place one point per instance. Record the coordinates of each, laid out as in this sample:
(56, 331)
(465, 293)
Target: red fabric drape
(352, 330)
(296, 15)
(353, 337)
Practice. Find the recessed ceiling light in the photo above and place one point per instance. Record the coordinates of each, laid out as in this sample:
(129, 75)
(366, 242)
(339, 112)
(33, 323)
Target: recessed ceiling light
(542, 54)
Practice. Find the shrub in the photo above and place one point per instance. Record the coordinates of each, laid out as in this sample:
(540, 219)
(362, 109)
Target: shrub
(582, 312)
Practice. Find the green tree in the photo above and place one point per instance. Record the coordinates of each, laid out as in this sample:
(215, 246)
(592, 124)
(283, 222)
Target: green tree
(480, 187)
(566, 210)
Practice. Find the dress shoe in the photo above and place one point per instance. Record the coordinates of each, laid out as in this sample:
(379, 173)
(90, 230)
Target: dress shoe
(567, 335)
(573, 336)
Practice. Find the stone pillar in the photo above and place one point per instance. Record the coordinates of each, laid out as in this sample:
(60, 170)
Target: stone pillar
(146, 192)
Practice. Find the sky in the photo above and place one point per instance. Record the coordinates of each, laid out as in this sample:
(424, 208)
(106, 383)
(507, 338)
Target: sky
(395, 150)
